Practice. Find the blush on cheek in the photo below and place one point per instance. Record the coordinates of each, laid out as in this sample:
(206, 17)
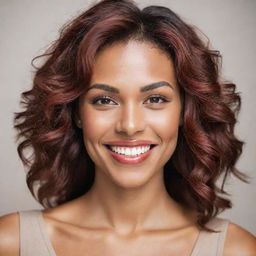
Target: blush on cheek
(170, 148)
(96, 124)
(166, 124)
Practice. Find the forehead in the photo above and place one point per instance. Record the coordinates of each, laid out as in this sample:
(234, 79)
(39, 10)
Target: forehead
(133, 62)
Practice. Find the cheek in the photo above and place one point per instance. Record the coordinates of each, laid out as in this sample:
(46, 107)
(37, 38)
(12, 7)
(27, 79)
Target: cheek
(95, 124)
(165, 123)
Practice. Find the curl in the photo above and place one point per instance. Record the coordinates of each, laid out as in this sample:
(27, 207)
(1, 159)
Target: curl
(207, 148)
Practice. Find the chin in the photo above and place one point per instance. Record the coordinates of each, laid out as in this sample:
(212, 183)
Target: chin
(133, 179)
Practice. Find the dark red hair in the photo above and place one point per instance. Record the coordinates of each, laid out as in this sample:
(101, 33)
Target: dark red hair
(207, 147)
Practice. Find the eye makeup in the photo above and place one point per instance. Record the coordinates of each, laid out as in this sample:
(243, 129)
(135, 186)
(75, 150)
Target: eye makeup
(156, 98)
(103, 100)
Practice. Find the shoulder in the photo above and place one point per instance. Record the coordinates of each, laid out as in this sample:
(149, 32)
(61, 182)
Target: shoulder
(9, 235)
(239, 242)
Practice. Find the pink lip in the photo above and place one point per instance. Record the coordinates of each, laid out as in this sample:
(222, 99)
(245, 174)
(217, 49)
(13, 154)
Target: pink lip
(130, 143)
(130, 159)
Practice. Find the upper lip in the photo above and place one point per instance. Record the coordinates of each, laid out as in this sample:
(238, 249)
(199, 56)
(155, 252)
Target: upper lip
(130, 143)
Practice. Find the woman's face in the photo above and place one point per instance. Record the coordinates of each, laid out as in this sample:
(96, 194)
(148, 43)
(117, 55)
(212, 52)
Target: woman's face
(131, 113)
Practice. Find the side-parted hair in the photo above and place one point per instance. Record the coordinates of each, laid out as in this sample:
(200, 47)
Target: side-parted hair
(59, 166)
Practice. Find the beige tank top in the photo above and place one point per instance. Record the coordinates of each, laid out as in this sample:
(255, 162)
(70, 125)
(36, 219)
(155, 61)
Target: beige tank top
(34, 239)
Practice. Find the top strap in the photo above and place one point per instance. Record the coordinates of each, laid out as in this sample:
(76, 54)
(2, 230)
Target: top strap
(34, 241)
(32, 236)
(209, 243)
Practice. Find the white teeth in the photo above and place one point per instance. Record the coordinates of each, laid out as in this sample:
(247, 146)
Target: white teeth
(130, 151)
(127, 151)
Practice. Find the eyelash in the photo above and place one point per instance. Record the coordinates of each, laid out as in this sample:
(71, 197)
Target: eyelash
(104, 97)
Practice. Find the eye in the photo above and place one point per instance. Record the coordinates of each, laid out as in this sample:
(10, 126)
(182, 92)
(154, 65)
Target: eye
(103, 100)
(156, 100)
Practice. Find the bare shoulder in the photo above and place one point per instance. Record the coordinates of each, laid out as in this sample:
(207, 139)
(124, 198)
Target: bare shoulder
(239, 242)
(9, 235)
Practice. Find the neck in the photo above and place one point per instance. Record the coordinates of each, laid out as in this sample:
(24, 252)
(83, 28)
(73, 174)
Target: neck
(128, 210)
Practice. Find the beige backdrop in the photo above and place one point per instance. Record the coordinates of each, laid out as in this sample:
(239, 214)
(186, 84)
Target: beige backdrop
(28, 26)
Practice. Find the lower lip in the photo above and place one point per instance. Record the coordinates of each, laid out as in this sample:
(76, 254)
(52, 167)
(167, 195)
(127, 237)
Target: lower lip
(130, 159)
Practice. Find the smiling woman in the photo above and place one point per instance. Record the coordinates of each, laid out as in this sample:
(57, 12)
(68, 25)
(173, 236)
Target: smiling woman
(130, 128)
(138, 112)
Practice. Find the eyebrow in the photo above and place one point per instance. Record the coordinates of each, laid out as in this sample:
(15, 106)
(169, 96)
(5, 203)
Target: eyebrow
(112, 89)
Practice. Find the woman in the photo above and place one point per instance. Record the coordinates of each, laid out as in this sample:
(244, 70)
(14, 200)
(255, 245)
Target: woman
(130, 128)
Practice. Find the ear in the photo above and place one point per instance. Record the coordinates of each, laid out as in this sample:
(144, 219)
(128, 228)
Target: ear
(76, 115)
(78, 123)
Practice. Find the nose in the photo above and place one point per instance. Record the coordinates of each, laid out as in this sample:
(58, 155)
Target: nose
(131, 120)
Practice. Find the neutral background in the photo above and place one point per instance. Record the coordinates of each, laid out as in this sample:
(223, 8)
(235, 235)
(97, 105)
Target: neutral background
(28, 26)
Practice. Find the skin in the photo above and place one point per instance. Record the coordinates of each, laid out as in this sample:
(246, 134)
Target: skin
(127, 208)
(131, 115)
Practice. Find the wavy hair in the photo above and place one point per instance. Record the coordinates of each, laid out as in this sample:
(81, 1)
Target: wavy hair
(207, 148)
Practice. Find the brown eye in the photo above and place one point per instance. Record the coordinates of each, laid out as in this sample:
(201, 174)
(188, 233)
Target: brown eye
(103, 100)
(156, 100)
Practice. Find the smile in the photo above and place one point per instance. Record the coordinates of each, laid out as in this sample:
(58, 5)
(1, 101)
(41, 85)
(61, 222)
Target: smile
(130, 155)
(130, 151)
